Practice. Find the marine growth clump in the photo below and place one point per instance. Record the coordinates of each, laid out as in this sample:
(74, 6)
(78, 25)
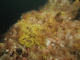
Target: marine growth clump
(51, 33)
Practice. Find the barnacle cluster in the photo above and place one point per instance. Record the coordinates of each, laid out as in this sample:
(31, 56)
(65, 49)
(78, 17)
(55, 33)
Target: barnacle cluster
(51, 33)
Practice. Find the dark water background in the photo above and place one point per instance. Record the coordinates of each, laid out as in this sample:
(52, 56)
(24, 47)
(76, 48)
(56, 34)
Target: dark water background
(11, 10)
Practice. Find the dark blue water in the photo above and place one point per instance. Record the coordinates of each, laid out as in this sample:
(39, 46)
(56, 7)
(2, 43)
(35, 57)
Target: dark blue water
(11, 10)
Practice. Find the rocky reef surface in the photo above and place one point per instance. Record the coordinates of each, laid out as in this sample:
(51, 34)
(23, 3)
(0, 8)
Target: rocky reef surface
(51, 33)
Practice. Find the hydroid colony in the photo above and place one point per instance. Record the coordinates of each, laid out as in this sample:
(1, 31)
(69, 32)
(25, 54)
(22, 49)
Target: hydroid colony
(51, 33)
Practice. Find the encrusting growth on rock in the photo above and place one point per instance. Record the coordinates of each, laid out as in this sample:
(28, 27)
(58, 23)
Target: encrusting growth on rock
(51, 33)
